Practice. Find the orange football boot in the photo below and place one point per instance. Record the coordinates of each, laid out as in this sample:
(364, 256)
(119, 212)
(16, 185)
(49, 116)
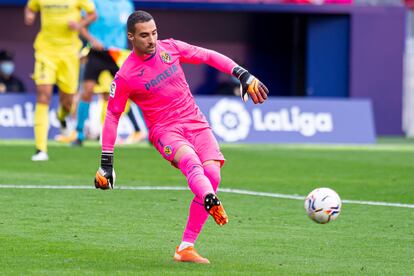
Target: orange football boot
(214, 207)
(189, 254)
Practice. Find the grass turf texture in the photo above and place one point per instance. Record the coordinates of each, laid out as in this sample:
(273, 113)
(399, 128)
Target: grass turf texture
(135, 232)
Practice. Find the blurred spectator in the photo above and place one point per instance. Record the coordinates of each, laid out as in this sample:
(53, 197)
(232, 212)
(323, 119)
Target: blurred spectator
(107, 37)
(9, 82)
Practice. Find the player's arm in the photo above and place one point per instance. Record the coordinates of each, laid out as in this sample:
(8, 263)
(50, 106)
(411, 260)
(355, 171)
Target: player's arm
(119, 93)
(95, 43)
(88, 19)
(250, 85)
(30, 12)
(90, 15)
(84, 22)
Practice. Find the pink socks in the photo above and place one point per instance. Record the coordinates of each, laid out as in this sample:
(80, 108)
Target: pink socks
(212, 171)
(198, 215)
(193, 170)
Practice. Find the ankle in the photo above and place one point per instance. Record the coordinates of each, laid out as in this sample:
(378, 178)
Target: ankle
(184, 245)
(210, 200)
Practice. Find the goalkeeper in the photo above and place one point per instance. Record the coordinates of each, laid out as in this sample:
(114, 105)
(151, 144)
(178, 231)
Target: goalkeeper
(153, 78)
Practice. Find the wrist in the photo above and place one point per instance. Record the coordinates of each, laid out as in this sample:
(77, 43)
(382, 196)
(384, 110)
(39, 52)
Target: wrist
(238, 72)
(107, 160)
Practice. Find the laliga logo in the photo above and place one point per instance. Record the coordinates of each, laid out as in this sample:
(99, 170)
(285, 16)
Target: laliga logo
(22, 115)
(230, 120)
(293, 120)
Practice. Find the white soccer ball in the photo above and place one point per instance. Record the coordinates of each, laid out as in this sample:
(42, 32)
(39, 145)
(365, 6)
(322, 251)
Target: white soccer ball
(323, 205)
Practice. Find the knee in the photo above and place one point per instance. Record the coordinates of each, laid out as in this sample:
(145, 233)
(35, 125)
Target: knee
(190, 165)
(66, 102)
(86, 96)
(212, 171)
(67, 106)
(43, 98)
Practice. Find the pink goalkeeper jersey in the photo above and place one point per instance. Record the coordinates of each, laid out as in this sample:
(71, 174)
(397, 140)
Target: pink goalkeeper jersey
(157, 84)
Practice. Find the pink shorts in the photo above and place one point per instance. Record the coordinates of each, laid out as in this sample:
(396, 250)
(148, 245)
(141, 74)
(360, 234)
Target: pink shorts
(199, 137)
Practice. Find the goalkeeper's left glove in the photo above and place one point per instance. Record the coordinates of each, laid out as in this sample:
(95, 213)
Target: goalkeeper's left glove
(105, 176)
(250, 86)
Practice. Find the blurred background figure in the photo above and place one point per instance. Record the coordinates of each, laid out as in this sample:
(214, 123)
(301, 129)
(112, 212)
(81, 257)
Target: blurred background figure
(107, 38)
(230, 86)
(9, 82)
(57, 47)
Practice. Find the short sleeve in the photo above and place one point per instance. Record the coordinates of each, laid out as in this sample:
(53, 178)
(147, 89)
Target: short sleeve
(87, 5)
(33, 5)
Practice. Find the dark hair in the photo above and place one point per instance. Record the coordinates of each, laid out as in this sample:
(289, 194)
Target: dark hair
(5, 55)
(137, 17)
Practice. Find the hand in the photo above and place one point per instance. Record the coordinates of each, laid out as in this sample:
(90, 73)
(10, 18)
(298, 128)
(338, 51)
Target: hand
(29, 16)
(97, 45)
(250, 86)
(105, 176)
(105, 179)
(74, 26)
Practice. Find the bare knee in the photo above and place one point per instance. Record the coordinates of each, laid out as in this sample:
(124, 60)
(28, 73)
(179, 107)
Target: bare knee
(215, 162)
(44, 94)
(87, 93)
(66, 101)
(183, 150)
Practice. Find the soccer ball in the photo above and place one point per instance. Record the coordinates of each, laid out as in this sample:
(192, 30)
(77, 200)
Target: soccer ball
(323, 205)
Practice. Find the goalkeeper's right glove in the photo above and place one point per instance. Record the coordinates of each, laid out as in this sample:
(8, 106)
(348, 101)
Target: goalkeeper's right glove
(105, 176)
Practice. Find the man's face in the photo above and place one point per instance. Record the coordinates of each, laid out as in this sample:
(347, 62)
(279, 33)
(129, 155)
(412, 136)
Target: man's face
(145, 37)
(6, 68)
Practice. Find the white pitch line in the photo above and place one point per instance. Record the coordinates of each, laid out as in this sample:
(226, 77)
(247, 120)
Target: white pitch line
(180, 188)
(298, 197)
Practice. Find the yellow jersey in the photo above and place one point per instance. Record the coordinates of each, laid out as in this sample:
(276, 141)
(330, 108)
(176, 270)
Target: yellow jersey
(55, 34)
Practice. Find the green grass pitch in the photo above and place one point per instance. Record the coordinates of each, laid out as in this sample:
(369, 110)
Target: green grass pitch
(132, 232)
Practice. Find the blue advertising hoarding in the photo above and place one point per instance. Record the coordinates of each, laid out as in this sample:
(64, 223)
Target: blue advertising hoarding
(278, 120)
(282, 120)
(17, 116)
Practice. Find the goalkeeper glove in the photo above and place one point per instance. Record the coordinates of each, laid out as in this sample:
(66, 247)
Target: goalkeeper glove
(250, 86)
(105, 176)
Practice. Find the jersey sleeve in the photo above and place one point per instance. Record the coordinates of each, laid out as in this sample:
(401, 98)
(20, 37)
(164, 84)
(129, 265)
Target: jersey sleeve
(33, 5)
(87, 5)
(118, 97)
(196, 55)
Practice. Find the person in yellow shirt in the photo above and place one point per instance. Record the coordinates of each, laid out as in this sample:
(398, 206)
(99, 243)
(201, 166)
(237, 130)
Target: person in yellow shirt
(57, 47)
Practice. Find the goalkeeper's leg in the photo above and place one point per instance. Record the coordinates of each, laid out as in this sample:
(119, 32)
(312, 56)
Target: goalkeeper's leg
(197, 215)
(190, 164)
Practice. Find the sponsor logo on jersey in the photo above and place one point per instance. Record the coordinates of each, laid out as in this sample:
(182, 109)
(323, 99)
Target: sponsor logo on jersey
(168, 150)
(56, 6)
(162, 77)
(166, 57)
